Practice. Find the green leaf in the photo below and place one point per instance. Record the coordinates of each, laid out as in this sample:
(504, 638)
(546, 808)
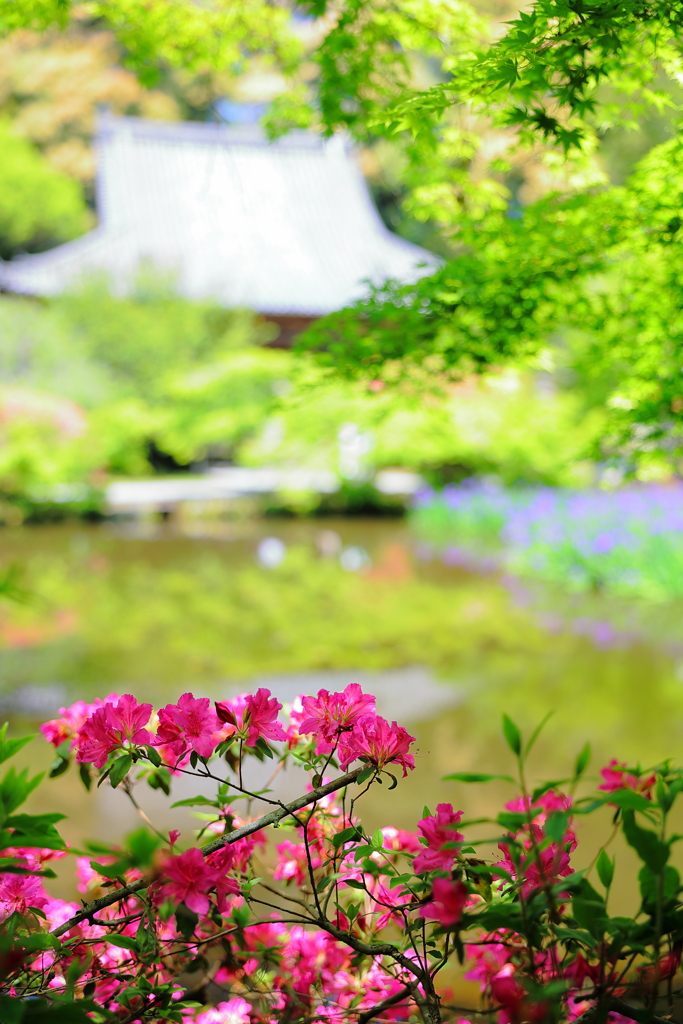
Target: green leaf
(347, 835)
(120, 769)
(556, 826)
(34, 822)
(514, 820)
(187, 920)
(512, 735)
(628, 799)
(34, 830)
(142, 845)
(474, 777)
(536, 733)
(153, 755)
(264, 747)
(651, 850)
(589, 910)
(160, 779)
(353, 883)
(86, 777)
(378, 839)
(605, 868)
(365, 775)
(573, 933)
(582, 761)
(195, 801)
(8, 748)
(112, 871)
(650, 882)
(501, 915)
(124, 941)
(58, 767)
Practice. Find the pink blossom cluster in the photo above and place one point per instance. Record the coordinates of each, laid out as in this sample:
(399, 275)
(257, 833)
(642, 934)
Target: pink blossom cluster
(298, 912)
(543, 863)
(252, 717)
(440, 837)
(191, 877)
(347, 723)
(314, 976)
(499, 962)
(71, 720)
(617, 776)
(344, 723)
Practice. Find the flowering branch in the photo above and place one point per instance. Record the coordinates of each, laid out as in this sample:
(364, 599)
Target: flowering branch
(386, 1004)
(271, 818)
(333, 923)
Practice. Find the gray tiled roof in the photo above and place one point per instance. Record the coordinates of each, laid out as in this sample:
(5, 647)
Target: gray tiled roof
(287, 227)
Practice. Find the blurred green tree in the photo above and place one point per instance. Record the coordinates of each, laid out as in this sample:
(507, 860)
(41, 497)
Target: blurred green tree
(39, 206)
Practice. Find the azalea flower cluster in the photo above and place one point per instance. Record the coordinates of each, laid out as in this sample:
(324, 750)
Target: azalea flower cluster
(321, 920)
(345, 726)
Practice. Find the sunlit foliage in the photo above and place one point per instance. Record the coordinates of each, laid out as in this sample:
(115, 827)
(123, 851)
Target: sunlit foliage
(39, 206)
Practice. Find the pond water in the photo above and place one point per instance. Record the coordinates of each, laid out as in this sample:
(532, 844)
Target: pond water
(160, 608)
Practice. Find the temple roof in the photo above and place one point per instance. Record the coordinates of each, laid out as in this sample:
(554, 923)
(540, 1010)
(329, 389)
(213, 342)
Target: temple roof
(287, 227)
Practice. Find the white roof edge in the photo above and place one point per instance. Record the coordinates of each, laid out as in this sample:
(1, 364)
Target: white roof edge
(212, 133)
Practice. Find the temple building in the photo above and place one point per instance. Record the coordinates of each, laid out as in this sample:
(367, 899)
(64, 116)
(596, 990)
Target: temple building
(287, 228)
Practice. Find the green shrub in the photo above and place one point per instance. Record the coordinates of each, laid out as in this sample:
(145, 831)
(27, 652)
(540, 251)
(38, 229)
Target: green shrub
(39, 207)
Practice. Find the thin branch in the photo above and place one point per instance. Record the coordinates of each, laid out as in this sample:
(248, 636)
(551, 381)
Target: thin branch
(367, 1015)
(373, 949)
(272, 818)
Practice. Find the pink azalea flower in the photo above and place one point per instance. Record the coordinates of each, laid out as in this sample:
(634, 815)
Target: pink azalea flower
(617, 776)
(292, 864)
(296, 715)
(386, 902)
(34, 856)
(400, 840)
(486, 960)
(507, 991)
(438, 830)
(58, 912)
(235, 1011)
(375, 740)
(18, 893)
(87, 877)
(191, 878)
(253, 716)
(553, 861)
(449, 899)
(328, 715)
(170, 757)
(222, 861)
(188, 725)
(111, 727)
(58, 730)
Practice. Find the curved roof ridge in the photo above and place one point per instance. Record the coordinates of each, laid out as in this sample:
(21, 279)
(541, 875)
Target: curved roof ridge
(210, 132)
